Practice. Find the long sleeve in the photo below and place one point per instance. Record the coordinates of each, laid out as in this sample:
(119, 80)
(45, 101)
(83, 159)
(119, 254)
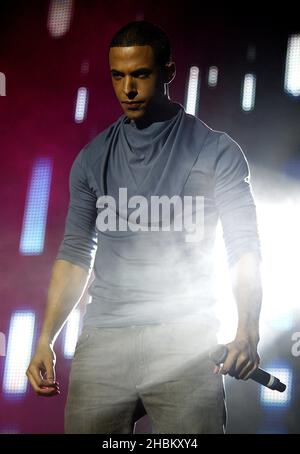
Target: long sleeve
(80, 237)
(234, 200)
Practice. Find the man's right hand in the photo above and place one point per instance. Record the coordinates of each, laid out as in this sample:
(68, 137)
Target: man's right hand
(41, 371)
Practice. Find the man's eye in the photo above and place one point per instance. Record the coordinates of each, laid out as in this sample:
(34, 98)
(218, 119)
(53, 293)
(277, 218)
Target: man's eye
(116, 76)
(143, 76)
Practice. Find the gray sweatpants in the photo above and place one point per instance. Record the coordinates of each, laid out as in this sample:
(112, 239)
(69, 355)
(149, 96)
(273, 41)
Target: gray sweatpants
(118, 374)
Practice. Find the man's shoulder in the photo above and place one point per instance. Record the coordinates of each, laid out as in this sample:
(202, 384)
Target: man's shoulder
(217, 141)
(199, 126)
(93, 150)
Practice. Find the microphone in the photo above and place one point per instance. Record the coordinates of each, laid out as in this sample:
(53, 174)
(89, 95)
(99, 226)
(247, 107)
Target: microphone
(219, 354)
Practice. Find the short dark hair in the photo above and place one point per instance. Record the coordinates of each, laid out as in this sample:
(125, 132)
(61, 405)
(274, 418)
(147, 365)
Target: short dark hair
(143, 33)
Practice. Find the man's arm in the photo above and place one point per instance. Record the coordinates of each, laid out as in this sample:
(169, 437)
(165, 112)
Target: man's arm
(236, 206)
(242, 358)
(69, 276)
(67, 284)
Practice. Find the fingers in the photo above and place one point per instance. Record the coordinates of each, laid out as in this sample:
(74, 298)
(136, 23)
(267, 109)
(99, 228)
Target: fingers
(229, 364)
(246, 371)
(49, 372)
(239, 364)
(249, 369)
(217, 369)
(34, 375)
(43, 387)
(49, 391)
(242, 364)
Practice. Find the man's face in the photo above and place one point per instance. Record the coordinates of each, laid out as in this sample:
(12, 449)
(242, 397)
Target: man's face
(137, 81)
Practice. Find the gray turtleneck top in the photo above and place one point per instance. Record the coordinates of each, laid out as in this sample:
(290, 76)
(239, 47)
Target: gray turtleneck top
(146, 277)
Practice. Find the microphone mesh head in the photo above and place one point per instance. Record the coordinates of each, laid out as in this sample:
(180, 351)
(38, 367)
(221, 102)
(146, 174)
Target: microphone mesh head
(218, 354)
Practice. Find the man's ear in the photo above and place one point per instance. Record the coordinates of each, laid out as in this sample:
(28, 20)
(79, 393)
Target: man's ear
(170, 72)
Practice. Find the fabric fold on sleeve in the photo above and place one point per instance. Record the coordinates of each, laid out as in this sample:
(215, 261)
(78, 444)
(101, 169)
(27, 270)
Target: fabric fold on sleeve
(235, 202)
(80, 237)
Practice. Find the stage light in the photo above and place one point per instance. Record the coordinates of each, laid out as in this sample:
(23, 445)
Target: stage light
(59, 17)
(21, 332)
(270, 398)
(192, 97)
(213, 76)
(2, 344)
(2, 84)
(85, 67)
(292, 66)
(36, 208)
(71, 333)
(248, 92)
(81, 104)
(279, 225)
(251, 53)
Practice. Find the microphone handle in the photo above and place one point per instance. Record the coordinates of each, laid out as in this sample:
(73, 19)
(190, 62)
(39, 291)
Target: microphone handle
(266, 379)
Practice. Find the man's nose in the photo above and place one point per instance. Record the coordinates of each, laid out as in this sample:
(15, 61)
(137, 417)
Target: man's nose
(129, 87)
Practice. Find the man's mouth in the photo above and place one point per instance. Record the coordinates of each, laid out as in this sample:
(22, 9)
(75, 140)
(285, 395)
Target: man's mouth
(133, 105)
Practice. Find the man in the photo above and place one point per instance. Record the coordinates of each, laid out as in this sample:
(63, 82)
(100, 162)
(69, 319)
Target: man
(150, 324)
